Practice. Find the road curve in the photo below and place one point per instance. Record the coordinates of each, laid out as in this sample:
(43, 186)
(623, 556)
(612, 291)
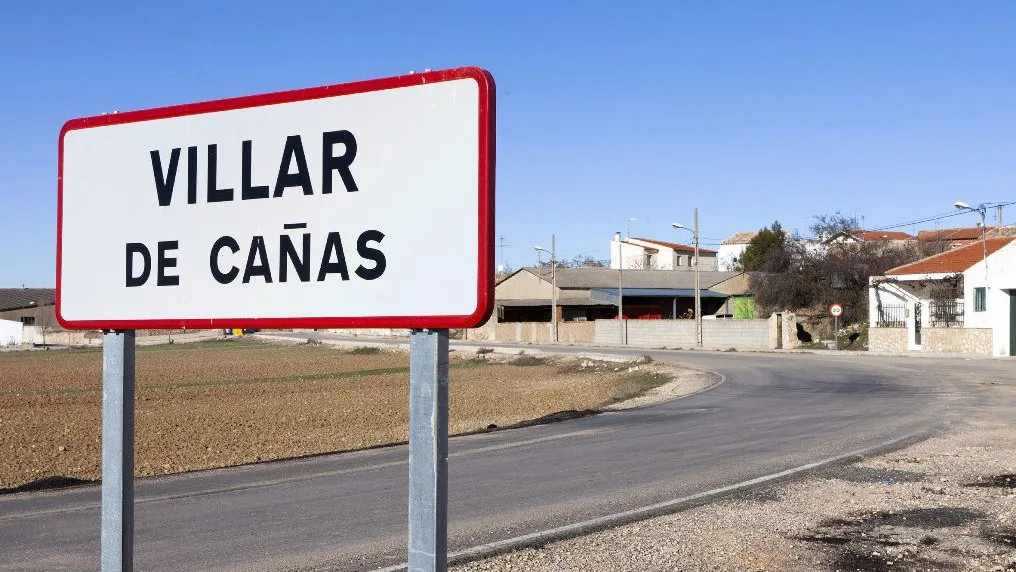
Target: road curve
(348, 512)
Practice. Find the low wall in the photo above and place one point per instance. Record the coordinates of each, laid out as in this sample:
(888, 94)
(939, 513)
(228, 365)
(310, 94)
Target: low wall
(34, 335)
(533, 332)
(957, 340)
(716, 334)
(367, 332)
(887, 339)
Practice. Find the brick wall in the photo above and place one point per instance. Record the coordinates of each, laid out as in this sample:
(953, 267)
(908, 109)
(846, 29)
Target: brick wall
(887, 339)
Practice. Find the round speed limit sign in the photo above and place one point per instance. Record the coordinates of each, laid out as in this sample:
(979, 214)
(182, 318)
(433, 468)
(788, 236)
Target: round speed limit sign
(836, 310)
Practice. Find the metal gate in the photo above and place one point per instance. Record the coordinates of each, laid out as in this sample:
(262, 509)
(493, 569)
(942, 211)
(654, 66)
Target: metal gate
(917, 324)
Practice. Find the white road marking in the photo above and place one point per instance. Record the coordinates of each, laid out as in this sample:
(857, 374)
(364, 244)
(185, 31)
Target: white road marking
(620, 518)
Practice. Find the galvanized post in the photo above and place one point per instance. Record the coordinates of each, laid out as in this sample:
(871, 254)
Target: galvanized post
(428, 451)
(836, 332)
(117, 550)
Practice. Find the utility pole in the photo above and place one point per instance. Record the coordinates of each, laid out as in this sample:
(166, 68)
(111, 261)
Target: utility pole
(553, 293)
(698, 288)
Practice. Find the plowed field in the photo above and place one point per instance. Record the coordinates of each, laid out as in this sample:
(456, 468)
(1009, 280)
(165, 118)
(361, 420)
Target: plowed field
(223, 403)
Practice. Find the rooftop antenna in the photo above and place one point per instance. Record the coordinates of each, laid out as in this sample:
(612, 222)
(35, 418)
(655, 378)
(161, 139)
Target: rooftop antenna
(501, 245)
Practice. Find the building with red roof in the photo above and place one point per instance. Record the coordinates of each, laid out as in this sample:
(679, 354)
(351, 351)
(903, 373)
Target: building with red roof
(651, 254)
(962, 300)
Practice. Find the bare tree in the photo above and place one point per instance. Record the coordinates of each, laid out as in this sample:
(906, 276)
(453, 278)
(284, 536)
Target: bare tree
(796, 277)
(585, 261)
(46, 323)
(826, 225)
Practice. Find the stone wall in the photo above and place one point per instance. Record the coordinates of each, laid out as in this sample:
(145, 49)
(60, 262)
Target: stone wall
(887, 339)
(788, 339)
(957, 340)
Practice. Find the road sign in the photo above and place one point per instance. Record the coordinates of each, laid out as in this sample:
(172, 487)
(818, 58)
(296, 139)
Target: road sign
(359, 205)
(836, 310)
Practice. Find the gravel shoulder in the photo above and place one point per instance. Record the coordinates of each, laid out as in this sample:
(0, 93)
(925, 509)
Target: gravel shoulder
(947, 503)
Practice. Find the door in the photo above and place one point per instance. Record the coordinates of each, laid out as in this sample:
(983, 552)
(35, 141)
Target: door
(1012, 322)
(917, 324)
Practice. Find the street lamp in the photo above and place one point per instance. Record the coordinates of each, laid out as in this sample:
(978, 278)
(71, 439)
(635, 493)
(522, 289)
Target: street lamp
(553, 294)
(698, 288)
(620, 286)
(980, 209)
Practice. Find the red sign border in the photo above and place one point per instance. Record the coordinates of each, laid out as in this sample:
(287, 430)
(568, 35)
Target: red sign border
(831, 306)
(485, 187)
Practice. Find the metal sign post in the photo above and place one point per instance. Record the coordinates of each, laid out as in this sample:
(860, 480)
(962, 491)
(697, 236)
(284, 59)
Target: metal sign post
(836, 310)
(428, 450)
(212, 188)
(117, 551)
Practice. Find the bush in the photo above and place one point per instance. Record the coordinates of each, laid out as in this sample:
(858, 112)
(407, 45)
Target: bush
(526, 361)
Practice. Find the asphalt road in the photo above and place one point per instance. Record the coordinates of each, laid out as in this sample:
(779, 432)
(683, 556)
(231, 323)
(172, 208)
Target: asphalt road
(348, 512)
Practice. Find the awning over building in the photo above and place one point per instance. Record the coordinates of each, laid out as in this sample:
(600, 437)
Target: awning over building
(609, 295)
(546, 302)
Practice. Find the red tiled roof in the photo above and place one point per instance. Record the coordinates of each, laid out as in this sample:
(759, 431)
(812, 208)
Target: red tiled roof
(952, 261)
(877, 235)
(950, 234)
(677, 247)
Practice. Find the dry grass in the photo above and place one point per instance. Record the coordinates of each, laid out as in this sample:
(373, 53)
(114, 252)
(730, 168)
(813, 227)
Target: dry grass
(636, 383)
(232, 402)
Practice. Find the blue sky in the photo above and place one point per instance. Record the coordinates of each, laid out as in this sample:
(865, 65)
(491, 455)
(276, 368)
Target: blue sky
(750, 111)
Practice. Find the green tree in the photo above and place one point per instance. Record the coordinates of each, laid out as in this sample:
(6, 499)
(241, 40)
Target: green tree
(769, 240)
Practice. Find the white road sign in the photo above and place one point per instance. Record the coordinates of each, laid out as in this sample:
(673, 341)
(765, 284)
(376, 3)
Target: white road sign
(836, 310)
(367, 204)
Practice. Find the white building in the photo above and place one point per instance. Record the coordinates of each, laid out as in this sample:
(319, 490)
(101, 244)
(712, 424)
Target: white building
(10, 333)
(731, 250)
(646, 254)
(962, 300)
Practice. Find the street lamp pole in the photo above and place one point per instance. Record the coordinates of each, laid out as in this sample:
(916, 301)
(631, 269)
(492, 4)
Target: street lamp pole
(698, 283)
(980, 209)
(553, 279)
(620, 286)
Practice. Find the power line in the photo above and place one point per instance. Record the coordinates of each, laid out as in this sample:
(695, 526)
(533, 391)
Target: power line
(941, 216)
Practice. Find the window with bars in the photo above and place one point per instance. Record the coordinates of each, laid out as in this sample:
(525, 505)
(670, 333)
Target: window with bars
(946, 313)
(980, 299)
(891, 316)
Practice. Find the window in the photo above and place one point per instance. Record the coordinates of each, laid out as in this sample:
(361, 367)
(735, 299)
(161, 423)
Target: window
(980, 299)
(28, 320)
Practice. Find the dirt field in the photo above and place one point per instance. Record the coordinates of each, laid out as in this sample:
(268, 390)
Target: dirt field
(222, 403)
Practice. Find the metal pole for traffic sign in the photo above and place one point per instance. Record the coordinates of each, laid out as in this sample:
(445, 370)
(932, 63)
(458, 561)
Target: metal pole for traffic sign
(117, 550)
(428, 450)
(836, 331)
